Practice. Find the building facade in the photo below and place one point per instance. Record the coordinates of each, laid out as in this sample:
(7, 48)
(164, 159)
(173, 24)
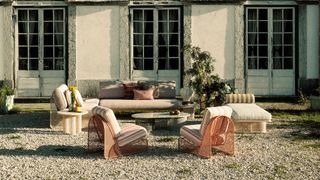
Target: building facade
(268, 48)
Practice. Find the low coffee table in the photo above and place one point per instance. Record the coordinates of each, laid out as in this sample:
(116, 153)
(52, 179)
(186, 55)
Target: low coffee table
(157, 120)
(72, 121)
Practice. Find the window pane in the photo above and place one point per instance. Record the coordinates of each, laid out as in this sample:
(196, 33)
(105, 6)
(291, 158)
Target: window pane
(23, 39)
(288, 63)
(137, 52)
(48, 15)
(252, 26)
(163, 16)
(33, 15)
(277, 26)
(263, 26)
(288, 51)
(173, 51)
(59, 64)
(263, 63)
(148, 15)
(137, 15)
(263, 51)
(252, 63)
(174, 63)
(263, 14)
(277, 39)
(148, 51)
(58, 40)
(277, 63)
(23, 27)
(288, 26)
(277, 14)
(138, 64)
(23, 64)
(22, 15)
(137, 39)
(33, 64)
(23, 52)
(48, 52)
(173, 15)
(58, 27)
(48, 39)
(163, 27)
(33, 39)
(288, 39)
(277, 51)
(163, 52)
(33, 28)
(174, 39)
(162, 64)
(58, 15)
(148, 39)
(58, 52)
(137, 27)
(263, 38)
(252, 38)
(287, 14)
(163, 39)
(252, 14)
(252, 50)
(48, 27)
(148, 27)
(33, 51)
(173, 26)
(48, 64)
(148, 64)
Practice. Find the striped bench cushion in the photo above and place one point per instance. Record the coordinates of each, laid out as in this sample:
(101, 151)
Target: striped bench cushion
(192, 133)
(108, 116)
(249, 113)
(130, 133)
(240, 98)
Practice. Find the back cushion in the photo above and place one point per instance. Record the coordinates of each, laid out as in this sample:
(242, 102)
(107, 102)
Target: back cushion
(59, 97)
(212, 112)
(162, 89)
(111, 90)
(240, 98)
(129, 86)
(78, 98)
(108, 116)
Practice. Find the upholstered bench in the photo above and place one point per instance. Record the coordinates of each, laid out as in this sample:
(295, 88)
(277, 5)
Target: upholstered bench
(246, 115)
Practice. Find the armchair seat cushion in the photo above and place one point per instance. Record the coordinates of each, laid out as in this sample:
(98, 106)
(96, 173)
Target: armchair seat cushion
(192, 133)
(130, 133)
(249, 113)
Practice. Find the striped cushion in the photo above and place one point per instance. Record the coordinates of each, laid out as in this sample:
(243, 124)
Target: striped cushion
(108, 116)
(192, 133)
(59, 97)
(130, 133)
(78, 97)
(240, 98)
(212, 112)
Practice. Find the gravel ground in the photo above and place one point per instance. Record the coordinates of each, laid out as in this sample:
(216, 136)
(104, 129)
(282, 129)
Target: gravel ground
(29, 149)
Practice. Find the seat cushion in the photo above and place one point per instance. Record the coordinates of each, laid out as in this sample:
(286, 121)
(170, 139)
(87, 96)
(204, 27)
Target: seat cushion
(59, 97)
(127, 104)
(192, 133)
(249, 113)
(108, 115)
(211, 112)
(130, 133)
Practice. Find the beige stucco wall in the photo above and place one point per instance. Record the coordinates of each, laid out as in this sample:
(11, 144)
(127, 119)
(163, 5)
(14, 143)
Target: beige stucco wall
(97, 42)
(212, 29)
(1, 44)
(312, 44)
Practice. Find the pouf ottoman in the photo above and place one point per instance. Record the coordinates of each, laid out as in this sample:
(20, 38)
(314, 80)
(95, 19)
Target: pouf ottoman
(249, 118)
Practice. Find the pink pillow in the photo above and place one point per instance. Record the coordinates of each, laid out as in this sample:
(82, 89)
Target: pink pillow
(143, 94)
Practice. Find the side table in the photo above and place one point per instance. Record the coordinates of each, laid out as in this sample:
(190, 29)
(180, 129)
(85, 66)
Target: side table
(72, 121)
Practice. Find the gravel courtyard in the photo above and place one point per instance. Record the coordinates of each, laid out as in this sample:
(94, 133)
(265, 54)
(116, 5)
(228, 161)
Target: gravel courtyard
(29, 149)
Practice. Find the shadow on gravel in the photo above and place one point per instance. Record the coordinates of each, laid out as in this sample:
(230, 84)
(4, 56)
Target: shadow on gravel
(49, 150)
(25, 120)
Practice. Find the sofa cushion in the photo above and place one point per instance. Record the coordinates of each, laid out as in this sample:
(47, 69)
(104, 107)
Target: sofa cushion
(143, 94)
(249, 113)
(129, 86)
(108, 116)
(167, 89)
(59, 97)
(111, 90)
(146, 85)
(126, 104)
(192, 133)
(130, 133)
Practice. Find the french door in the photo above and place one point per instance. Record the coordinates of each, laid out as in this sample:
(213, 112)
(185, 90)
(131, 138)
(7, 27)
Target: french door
(155, 44)
(41, 50)
(270, 50)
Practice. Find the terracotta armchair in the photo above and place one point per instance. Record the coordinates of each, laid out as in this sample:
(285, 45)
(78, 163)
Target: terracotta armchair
(215, 132)
(104, 132)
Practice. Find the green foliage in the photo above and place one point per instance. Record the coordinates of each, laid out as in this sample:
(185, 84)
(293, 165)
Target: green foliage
(302, 98)
(208, 87)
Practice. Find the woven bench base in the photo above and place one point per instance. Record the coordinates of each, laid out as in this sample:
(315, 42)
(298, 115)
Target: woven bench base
(250, 127)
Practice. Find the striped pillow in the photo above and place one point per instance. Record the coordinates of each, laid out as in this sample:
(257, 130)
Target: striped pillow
(59, 97)
(108, 116)
(78, 97)
(240, 98)
(212, 112)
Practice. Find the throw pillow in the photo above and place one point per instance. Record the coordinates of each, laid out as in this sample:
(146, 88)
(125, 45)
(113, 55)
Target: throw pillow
(128, 89)
(145, 85)
(143, 94)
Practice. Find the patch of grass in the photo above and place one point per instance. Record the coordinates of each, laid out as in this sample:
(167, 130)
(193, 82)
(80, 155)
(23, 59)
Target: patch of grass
(233, 166)
(14, 137)
(166, 139)
(296, 115)
(280, 170)
(316, 145)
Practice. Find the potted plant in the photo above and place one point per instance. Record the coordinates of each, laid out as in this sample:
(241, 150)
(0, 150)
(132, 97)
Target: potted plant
(315, 99)
(6, 97)
(209, 88)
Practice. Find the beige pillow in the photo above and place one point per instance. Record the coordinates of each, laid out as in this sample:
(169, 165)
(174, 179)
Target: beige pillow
(78, 98)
